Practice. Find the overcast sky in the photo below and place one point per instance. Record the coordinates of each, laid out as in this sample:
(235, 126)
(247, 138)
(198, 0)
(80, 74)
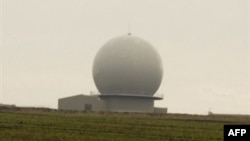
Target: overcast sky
(48, 47)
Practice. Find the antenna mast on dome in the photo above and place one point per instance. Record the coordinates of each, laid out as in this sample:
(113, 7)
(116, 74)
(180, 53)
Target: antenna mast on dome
(1, 55)
(129, 32)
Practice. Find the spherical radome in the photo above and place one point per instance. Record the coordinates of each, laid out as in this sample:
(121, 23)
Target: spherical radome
(127, 64)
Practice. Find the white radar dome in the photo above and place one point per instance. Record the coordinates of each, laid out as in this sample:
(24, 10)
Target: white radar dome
(127, 64)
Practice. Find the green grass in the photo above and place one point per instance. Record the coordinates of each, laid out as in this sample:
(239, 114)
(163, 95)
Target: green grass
(29, 124)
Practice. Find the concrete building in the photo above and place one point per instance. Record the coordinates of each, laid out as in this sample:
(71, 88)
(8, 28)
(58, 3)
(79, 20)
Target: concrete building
(114, 104)
(82, 103)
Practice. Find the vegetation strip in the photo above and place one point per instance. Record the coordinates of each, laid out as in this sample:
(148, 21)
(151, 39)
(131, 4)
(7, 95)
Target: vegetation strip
(31, 124)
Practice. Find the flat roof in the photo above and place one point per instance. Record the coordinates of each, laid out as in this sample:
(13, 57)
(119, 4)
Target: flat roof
(131, 95)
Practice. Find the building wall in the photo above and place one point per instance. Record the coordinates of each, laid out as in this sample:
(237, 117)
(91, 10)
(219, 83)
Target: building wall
(129, 104)
(81, 103)
(160, 110)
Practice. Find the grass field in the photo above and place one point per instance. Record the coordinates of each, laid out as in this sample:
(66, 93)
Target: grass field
(32, 124)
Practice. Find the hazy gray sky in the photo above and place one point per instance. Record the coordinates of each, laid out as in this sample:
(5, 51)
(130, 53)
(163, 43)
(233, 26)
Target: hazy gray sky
(48, 47)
